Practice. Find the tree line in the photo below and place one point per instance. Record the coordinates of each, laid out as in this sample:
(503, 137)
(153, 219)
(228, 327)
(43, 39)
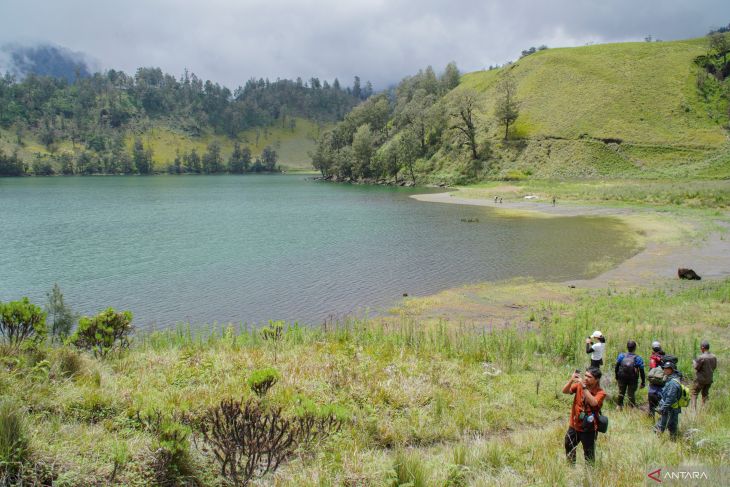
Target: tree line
(394, 136)
(138, 160)
(95, 114)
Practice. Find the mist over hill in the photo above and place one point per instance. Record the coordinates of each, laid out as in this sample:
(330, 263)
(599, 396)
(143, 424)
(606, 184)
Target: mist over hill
(44, 60)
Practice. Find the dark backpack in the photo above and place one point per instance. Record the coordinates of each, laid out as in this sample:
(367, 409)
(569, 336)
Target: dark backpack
(627, 369)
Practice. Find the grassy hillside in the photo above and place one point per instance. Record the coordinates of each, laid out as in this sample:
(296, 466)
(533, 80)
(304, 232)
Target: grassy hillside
(637, 92)
(425, 403)
(613, 110)
(292, 145)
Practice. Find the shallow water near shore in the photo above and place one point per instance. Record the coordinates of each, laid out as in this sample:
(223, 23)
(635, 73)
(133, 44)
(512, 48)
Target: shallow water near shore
(246, 249)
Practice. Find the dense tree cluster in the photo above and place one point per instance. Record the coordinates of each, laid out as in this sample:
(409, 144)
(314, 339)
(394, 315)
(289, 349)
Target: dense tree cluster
(713, 79)
(392, 137)
(212, 162)
(389, 132)
(95, 113)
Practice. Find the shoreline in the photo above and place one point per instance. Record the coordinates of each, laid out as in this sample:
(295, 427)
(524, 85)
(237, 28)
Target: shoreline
(666, 245)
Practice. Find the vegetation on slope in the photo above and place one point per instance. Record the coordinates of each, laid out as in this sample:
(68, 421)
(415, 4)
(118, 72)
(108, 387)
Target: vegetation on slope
(630, 110)
(434, 403)
(49, 126)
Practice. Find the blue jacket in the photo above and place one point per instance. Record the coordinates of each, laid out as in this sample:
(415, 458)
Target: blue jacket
(670, 393)
(638, 362)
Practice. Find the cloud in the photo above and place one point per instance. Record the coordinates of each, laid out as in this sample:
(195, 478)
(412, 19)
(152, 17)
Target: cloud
(230, 41)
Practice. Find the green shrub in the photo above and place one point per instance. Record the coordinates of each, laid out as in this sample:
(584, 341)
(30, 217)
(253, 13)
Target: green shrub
(93, 407)
(67, 363)
(171, 449)
(515, 175)
(21, 321)
(262, 380)
(408, 470)
(103, 332)
(13, 442)
(315, 423)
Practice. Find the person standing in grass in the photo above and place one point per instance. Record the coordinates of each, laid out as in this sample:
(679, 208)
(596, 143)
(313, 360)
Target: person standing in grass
(669, 404)
(629, 367)
(596, 345)
(583, 425)
(705, 366)
(656, 376)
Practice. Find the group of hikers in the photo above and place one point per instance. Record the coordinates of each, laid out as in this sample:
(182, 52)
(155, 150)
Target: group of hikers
(666, 394)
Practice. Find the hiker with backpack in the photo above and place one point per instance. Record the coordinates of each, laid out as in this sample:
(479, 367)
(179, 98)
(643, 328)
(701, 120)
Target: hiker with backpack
(629, 367)
(596, 345)
(704, 366)
(584, 414)
(655, 376)
(675, 396)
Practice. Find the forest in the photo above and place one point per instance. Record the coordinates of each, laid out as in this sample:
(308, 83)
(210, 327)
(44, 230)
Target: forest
(99, 117)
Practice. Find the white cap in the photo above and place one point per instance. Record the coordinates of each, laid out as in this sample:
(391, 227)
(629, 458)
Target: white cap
(597, 334)
(656, 344)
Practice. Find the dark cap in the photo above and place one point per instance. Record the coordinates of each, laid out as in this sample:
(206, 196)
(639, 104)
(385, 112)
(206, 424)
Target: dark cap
(705, 344)
(669, 365)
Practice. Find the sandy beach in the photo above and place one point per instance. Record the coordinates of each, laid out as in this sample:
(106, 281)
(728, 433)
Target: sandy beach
(708, 254)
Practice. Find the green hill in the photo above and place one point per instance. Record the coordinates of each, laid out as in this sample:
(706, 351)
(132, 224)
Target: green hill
(291, 144)
(165, 140)
(629, 109)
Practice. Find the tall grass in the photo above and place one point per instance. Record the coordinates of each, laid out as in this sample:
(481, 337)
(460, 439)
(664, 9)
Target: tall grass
(431, 403)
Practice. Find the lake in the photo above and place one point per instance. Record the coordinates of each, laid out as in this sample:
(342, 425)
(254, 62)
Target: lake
(246, 249)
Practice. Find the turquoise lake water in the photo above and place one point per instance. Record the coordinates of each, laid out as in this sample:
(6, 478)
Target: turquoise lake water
(246, 249)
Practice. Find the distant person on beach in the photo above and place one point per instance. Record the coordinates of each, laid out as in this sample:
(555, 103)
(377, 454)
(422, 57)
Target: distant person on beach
(629, 367)
(656, 376)
(704, 366)
(669, 405)
(596, 345)
(583, 425)
(500, 201)
(496, 199)
(553, 200)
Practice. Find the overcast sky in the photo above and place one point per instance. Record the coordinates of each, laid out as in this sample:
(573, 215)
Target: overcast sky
(230, 41)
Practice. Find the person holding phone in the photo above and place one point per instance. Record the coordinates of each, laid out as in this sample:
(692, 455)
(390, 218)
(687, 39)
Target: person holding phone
(587, 402)
(595, 346)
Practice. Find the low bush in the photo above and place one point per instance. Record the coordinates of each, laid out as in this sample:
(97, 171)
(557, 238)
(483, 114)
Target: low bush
(67, 363)
(93, 407)
(171, 462)
(104, 332)
(21, 321)
(262, 380)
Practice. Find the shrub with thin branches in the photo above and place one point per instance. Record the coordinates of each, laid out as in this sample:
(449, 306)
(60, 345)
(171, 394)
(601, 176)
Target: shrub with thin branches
(247, 439)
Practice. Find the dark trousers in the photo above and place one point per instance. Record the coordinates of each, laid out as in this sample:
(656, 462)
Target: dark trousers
(622, 387)
(596, 363)
(573, 438)
(669, 420)
(654, 399)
